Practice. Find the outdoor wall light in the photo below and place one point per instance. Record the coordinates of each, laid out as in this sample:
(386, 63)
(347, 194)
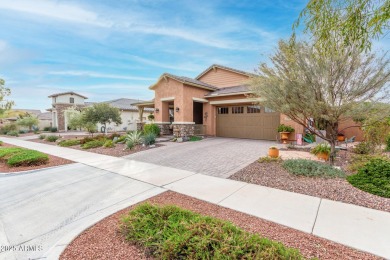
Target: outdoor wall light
(157, 110)
(177, 109)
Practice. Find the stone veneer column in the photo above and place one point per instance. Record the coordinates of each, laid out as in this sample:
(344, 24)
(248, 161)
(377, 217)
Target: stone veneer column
(164, 128)
(183, 130)
(60, 108)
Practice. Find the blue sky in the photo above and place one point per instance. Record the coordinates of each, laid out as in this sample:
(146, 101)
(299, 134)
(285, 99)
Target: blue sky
(113, 49)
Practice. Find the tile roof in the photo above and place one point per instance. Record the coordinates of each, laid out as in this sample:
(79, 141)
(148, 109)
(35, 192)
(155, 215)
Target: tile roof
(225, 68)
(189, 81)
(45, 116)
(126, 104)
(229, 90)
(29, 111)
(67, 93)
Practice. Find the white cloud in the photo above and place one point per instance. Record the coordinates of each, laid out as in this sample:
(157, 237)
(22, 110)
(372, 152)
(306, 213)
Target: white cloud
(92, 74)
(53, 9)
(145, 22)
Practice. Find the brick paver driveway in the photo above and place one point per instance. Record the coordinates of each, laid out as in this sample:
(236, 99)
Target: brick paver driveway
(215, 156)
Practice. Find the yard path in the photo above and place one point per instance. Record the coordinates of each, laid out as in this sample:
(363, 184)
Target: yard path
(358, 227)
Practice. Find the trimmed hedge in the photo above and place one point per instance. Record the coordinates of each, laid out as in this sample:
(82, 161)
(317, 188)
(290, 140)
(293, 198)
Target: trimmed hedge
(52, 138)
(15, 156)
(373, 177)
(170, 232)
(311, 168)
(70, 142)
(93, 144)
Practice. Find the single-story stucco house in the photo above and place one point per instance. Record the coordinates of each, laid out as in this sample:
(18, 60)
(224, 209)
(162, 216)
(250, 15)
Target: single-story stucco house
(217, 103)
(61, 102)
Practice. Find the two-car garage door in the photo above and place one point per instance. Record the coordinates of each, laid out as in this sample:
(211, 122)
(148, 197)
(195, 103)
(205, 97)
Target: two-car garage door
(247, 121)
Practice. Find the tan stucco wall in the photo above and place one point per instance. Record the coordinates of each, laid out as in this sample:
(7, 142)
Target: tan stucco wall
(223, 78)
(164, 89)
(351, 130)
(299, 129)
(190, 92)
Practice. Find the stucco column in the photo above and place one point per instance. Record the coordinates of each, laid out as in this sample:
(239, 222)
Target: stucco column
(140, 113)
(164, 111)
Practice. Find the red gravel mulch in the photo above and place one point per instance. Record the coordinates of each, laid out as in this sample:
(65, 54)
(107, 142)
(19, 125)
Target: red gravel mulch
(53, 161)
(273, 175)
(118, 151)
(103, 240)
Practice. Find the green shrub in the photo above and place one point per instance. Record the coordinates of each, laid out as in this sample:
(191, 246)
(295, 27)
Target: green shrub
(1, 143)
(109, 144)
(311, 168)
(149, 138)
(321, 148)
(121, 139)
(16, 156)
(8, 127)
(36, 132)
(152, 128)
(22, 131)
(285, 128)
(363, 148)
(267, 159)
(13, 133)
(359, 160)
(373, 177)
(53, 129)
(6, 152)
(170, 232)
(195, 138)
(52, 138)
(135, 137)
(388, 143)
(130, 144)
(27, 158)
(46, 128)
(42, 137)
(93, 144)
(70, 142)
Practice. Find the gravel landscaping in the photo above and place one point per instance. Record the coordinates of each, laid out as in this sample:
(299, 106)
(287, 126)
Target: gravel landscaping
(118, 151)
(53, 161)
(275, 176)
(103, 240)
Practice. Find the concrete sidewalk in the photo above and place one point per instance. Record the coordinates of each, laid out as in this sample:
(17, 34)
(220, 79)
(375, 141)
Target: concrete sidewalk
(358, 227)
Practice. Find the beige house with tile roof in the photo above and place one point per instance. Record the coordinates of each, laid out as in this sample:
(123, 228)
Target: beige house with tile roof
(216, 103)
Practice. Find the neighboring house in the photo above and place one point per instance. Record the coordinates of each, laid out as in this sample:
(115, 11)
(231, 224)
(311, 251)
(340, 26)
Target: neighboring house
(44, 118)
(215, 103)
(63, 101)
(60, 103)
(129, 114)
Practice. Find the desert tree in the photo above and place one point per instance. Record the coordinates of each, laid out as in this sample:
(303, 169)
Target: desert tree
(102, 113)
(28, 121)
(349, 22)
(4, 103)
(304, 84)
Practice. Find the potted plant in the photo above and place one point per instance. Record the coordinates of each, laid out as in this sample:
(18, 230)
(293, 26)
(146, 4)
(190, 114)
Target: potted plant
(284, 131)
(340, 137)
(322, 151)
(273, 152)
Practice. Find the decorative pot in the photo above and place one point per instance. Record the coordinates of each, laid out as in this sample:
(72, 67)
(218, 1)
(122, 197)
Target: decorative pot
(341, 138)
(323, 156)
(273, 153)
(284, 136)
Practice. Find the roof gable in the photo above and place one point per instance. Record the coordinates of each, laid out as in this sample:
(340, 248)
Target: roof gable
(214, 66)
(185, 80)
(67, 93)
